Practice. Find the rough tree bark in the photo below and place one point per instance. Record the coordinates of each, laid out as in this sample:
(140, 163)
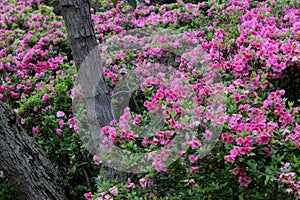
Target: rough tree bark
(77, 17)
(81, 34)
(24, 163)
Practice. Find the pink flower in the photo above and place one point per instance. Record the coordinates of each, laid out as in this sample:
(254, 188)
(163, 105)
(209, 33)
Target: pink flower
(208, 135)
(155, 141)
(136, 120)
(61, 123)
(76, 127)
(88, 196)
(123, 70)
(130, 186)
(244, 180)
(286, 177)
(143, 182)
(114, 191)
(59, 131)
(113, 138)
(244, 107)
(286, 166)
(195, 143)
(14, 95)
(263, 139)
(245, 150)
(227, 138)
(247, 141)
(35, 130)
(236, 97)
(165, 153)
(112, 122)
(240, 141)
(194, 169)
(23, 121)
(239, 170)
(234, 152)
(145, 142)
(229, 158)
(45, 98)
(289, 190)
(60, 114)
(159, 135)
(159, 165)
(180, 154)
(193, 158)
(96, 159)
(71, 121)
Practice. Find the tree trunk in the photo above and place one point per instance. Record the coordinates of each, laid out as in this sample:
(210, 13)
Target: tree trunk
(83, 41)
(97, 100)
(24, 163)
(77, 17)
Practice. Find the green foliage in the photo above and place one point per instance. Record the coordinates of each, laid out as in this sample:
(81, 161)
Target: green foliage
(7, 191)
(215, 179)
(66, 151)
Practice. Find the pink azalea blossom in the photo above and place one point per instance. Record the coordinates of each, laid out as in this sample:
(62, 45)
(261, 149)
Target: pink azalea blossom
(60, 114)
(35, 130)
(114, 191)
(194, 169)
(143, 182)
(45, 98)
(244, 180)
(136, 120)
(208, 135)
(23, 121)
(193, 158)
(97, 160)
(88, 196)
(61, 123)
(227, 138)
(131, 185)
(195, 143)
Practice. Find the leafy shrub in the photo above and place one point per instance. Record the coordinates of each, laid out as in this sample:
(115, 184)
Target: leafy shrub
(252, 44)
(258, 145)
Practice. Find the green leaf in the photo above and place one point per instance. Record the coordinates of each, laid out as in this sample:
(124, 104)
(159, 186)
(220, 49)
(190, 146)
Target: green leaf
(115, 2)
(173, 113)
(132, 3)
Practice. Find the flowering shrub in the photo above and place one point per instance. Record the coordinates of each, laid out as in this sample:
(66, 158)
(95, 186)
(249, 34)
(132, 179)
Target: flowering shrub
(36, 76)
(252, 44)
(259, 134)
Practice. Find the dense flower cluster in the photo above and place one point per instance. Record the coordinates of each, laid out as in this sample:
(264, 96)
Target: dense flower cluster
(250, 44)
(250, 54)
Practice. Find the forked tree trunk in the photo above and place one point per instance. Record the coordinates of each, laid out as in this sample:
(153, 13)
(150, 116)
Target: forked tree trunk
(24, 163)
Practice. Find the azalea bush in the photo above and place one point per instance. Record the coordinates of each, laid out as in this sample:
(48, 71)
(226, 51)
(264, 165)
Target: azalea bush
(253, 46)
(37, 75)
